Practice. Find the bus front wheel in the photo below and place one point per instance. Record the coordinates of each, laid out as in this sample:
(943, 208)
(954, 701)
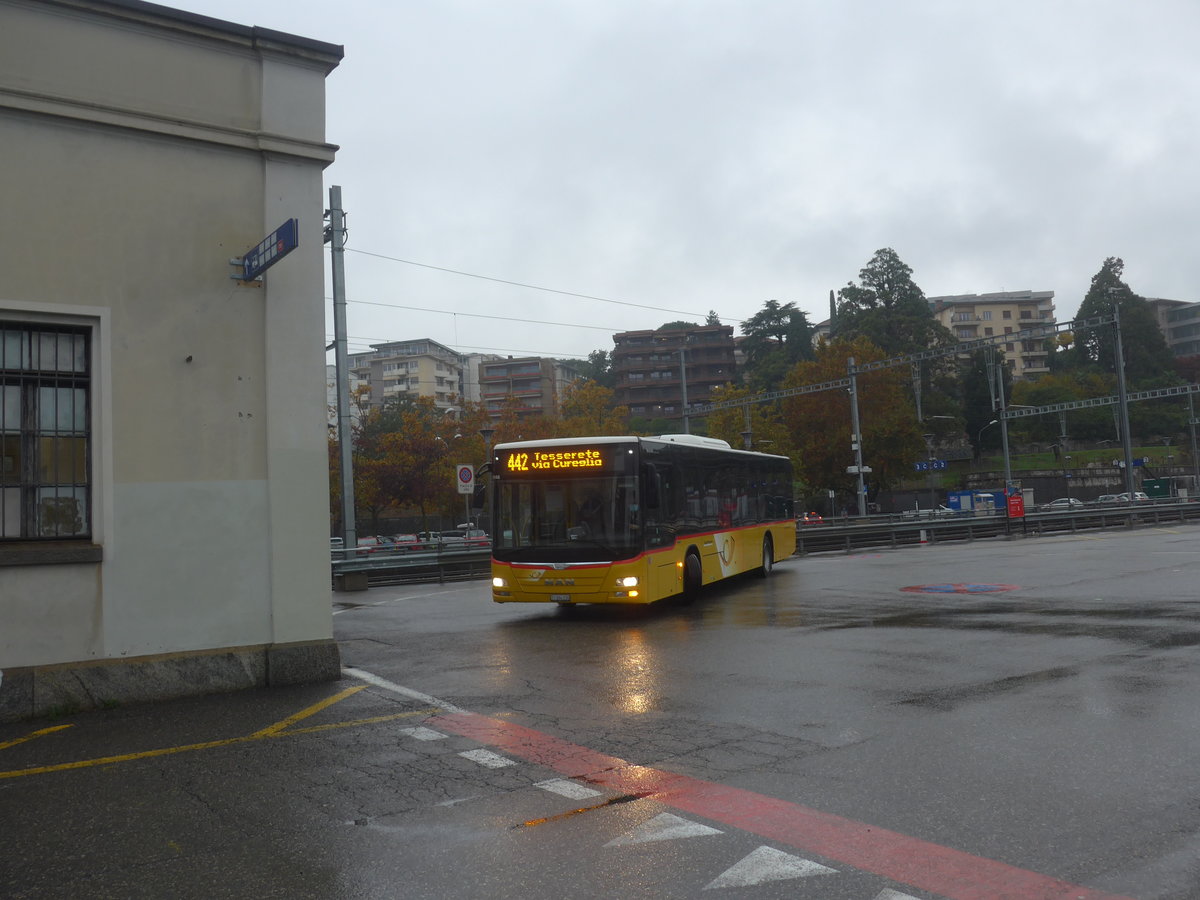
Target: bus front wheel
(693, 577)
(768, 558)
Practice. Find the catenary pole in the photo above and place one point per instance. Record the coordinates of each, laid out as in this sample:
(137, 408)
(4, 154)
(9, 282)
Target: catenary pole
(856, 437)
(1123, 402)
(337, 252)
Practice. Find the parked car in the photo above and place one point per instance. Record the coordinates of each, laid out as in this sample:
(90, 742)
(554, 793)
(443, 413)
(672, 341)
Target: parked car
(406, 543)
(1107, 498)
(1137, 496)
(1062, 503)
(473, 538)
(373, 544)
(336, 543)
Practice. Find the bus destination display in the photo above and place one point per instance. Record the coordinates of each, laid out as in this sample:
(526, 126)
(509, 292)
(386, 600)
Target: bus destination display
(564, 460)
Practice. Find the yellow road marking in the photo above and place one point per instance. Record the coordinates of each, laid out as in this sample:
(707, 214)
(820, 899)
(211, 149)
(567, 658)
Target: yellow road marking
(273, 731)
(32, 735)
(305, 713)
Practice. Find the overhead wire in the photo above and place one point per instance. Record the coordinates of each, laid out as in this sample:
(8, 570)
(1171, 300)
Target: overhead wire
(446, 312)
(522, 284)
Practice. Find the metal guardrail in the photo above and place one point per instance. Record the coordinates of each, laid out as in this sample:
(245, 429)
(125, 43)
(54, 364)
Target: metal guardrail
(355, 571)
(853, 534)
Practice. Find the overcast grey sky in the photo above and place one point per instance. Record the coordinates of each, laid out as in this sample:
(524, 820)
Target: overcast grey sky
(715, 154)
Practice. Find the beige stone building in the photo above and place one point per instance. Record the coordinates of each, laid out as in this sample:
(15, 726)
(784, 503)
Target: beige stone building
(163, 474)
(973, 316)
(417, 368)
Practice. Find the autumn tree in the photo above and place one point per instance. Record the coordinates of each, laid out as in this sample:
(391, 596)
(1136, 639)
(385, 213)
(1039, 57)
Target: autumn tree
(768, 433)
(819, 424)
(587, 409)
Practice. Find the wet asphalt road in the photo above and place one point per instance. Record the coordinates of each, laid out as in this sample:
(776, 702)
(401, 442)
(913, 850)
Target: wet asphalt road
(1027, 729)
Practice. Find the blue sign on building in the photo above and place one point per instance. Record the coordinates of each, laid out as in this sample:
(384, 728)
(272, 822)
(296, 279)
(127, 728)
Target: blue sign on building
(274, 247)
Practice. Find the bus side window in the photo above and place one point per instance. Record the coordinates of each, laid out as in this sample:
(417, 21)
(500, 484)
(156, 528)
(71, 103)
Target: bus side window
(655, 499)
(650, 491)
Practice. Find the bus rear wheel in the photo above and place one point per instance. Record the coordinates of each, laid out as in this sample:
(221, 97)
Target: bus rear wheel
(768, 558)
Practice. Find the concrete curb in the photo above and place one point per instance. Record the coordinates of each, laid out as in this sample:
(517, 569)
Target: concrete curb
(39, 691)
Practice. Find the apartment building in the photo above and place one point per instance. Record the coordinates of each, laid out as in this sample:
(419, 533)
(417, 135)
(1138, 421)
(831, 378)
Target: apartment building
(471, 362)
(973, 316)
(537, 383)
(417, 368)
(1179, 321)
(648, 368)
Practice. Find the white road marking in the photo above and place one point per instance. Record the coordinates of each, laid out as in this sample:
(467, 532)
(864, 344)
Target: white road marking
(487, 758)
(569, 789)
(402, 691)
(889, 894)
(768, 864)
(423, 734)
(663, 827)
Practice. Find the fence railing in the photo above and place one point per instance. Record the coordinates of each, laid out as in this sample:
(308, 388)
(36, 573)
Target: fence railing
(449, 563)
(897, 530)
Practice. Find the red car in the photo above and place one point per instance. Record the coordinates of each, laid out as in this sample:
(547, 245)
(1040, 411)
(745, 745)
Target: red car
(811, 518)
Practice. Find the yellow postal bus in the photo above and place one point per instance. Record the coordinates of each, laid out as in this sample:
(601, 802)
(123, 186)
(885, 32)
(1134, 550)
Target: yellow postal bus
(633, 519)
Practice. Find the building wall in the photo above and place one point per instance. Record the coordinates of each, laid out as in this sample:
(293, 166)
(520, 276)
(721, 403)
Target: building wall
(1179, 321)
(145, 148)
(647, 368)
(973, 316)
(536, 382)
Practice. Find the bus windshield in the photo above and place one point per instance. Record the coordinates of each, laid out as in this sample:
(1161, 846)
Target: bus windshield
(575, 519)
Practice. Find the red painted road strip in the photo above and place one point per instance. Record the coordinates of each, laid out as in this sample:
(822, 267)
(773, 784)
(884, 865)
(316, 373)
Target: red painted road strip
(920, 864)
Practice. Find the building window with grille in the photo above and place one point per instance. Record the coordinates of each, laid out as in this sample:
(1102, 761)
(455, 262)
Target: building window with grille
(45, 432)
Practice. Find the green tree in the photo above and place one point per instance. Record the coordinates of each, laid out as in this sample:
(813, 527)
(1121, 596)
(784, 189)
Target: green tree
(889, 309)
(977, 392)
(1148, 361)
(776, 338)
(598, 367)
(712, 318)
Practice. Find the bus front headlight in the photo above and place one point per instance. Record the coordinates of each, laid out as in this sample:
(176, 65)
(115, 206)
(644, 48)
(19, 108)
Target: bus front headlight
(628, 581)
(498, 582)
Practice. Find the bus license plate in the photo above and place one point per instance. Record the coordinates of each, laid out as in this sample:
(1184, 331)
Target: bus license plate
(561, 598)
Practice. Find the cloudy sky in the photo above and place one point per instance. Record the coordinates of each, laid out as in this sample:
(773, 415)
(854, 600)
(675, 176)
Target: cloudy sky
(632, 162)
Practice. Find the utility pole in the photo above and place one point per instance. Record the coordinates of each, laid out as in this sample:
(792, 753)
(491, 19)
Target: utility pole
(1192, 423)
(995, 371)
(335, 236)
(683, 386)
(1123, 402)
(856, 437)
